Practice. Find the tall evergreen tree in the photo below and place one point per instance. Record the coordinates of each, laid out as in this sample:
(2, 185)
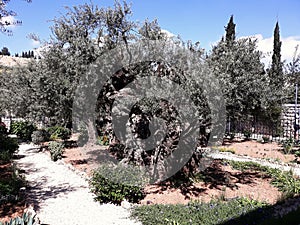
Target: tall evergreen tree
(276, 79)
(276, 70)
(230, 31)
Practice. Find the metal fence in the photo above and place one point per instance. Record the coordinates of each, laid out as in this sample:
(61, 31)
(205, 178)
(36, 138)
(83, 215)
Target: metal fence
(285, 129)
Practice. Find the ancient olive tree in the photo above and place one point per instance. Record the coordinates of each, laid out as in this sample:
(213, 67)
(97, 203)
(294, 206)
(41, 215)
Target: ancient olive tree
(84, 36)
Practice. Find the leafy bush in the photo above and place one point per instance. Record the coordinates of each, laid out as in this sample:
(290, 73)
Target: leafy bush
(56, 150)
(287, 145)
(3, 129)
(266, 139)
(39, 136)
(10, 186)
(113, 184)
(58, 132)
(247, 134)
(8, 146)
(26, 219)
(23, 129)
(103, 140)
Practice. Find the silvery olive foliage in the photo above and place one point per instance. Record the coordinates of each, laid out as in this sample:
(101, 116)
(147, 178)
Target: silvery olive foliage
(4, 13)
(241, 74)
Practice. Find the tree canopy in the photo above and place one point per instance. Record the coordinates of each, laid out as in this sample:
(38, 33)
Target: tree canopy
(5, 12)
(240, 71)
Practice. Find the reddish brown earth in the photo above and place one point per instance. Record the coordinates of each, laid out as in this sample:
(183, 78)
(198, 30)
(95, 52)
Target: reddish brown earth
(228, 183)
(258, 150)
(224, 182)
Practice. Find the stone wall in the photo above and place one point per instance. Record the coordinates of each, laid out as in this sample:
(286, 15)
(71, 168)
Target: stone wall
(288, 119)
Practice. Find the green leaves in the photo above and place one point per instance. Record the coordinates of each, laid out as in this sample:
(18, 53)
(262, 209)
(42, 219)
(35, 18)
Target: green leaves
(113, 184)
(214, 212)
(23, 129)
(26, 219)
(241, 73)
(56, 150)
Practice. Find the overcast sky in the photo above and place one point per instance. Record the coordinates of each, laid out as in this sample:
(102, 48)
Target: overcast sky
(196, 20)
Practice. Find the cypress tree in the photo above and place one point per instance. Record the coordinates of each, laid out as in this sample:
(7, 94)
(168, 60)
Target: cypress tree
(276, 80)
(276, 70)
(230, 31)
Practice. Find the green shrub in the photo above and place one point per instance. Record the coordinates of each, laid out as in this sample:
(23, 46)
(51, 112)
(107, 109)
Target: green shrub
(10, 186)
(247, 134)
(287, 145)
(113, 184)
(266, 139)
(59, 132)
(56, 150)
(103, 140)
(23, 129)
(26, 219)
(39, 136)
(8, 146)
(3, 129)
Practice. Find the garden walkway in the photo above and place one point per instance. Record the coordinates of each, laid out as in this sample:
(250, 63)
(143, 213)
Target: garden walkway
(264, 162)
(61, 196)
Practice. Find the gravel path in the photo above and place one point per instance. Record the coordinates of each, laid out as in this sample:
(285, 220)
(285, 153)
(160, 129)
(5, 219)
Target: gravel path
(61, 196)
(264, 162)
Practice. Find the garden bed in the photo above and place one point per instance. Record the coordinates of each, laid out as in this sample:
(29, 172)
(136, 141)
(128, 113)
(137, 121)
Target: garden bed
(229, 183)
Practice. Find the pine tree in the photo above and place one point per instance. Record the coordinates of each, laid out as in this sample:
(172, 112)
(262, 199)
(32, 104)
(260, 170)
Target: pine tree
(230, 31)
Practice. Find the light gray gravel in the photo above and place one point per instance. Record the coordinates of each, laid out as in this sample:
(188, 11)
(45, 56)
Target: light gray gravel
(264, 162)
(61, 196)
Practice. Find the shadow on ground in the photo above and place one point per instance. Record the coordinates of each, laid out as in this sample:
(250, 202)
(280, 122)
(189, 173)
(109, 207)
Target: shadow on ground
(266, 215)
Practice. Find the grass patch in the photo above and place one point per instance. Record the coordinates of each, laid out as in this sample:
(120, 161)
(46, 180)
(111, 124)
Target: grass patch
(233, 212)
(285, 181)
(224, 149)
(195, 213)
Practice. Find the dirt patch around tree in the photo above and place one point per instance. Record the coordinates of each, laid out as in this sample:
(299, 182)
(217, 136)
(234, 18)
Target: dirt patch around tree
(255, 149)
(221, 182)
(218, 181)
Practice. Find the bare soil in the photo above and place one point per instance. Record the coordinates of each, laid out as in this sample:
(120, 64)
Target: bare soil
(222, 181)
(255, 149)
